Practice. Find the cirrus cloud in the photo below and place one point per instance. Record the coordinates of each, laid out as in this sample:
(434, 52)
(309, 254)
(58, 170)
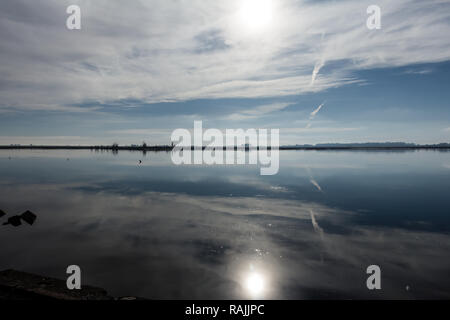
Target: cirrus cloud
(160, 51)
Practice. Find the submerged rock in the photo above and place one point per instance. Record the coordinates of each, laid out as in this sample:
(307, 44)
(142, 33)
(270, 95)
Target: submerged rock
(2, 213)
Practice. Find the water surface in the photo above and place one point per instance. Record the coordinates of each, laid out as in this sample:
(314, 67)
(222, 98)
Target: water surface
(158, 230)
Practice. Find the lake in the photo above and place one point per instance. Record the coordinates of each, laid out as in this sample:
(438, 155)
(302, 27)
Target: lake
(161, 231)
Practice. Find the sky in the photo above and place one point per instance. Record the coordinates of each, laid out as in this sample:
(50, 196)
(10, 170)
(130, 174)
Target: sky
(137, 70)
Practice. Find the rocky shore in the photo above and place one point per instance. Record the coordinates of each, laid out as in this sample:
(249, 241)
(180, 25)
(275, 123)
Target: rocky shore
(17, 285)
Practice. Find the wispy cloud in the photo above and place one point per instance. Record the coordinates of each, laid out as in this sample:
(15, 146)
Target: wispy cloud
(55, 140)
(319, 129)
(182, 51)
(142, 132)
(418, 71)
(316, 70)
(258, 111)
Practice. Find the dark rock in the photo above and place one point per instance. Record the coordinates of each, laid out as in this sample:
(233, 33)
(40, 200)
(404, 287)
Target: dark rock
(2, 213)
(14, 220)
(29, 217)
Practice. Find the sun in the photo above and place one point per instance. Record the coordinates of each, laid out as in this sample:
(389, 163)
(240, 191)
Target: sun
(256, 14)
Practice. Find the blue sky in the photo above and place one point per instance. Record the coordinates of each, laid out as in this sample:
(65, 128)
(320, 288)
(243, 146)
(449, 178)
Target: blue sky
(135, 73)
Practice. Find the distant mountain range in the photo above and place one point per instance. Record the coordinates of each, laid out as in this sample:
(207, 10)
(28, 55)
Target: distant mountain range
(366, 145)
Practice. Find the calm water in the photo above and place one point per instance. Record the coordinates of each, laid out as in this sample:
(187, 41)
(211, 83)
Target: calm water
(158, 230)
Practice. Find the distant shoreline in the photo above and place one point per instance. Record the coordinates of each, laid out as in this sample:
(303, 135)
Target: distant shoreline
(170, 148)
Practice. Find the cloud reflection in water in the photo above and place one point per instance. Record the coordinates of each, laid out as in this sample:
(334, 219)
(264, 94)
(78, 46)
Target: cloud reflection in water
(176, 245)
(162, 245)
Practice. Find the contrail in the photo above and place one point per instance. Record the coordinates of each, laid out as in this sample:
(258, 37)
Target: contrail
(319, 64)
(313, 115)
(316, 70)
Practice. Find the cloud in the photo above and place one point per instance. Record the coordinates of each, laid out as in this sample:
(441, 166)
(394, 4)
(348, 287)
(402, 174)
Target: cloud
(316, 71)
(320, 130)
(45, 140)
(142, 132)
(157, 51)
(418, 71)
(259, 111)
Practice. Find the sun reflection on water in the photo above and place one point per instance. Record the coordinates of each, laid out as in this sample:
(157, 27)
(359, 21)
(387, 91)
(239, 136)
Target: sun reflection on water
(254, 281)
(255, 284)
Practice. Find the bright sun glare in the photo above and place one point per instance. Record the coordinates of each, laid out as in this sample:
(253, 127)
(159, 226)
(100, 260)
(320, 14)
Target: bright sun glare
(255, 284)
(256, 14)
